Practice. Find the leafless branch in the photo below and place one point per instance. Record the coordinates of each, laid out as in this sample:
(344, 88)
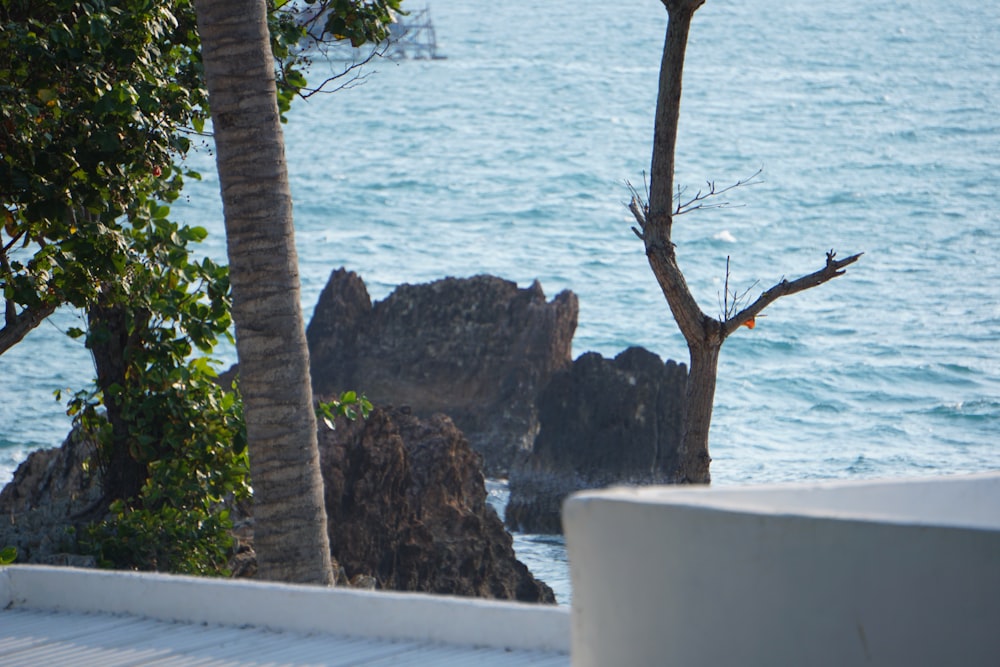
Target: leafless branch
(728, 307)
(13, 239)
(639, 202)
(352, 70)
(712, 190)
(316, 41)
(639, 206)
(834, 267)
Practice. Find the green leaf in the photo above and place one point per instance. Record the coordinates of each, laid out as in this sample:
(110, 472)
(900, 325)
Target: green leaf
(8, 555)
(196, 234)
(295, 79)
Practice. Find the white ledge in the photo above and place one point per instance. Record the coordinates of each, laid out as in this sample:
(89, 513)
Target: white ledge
(903, 572)
(281, 607)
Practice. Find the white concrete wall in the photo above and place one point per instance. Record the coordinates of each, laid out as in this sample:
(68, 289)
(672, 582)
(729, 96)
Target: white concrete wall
(870, 573)
(382, 615)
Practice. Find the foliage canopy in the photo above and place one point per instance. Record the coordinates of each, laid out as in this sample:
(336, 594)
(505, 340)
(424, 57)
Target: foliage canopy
(100, 101)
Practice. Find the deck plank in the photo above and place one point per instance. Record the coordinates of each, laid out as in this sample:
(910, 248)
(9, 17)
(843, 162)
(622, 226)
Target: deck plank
(30, 637)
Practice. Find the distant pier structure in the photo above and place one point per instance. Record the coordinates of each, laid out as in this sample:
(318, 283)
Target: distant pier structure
(413, 36)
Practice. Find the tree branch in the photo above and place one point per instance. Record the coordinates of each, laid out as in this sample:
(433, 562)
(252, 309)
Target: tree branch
(697, 202)
(834, 267)
(356, 78)
(639, 208)
(729, 309)
(17, 326)
(668, 103)
(696, 326)
(656, 219)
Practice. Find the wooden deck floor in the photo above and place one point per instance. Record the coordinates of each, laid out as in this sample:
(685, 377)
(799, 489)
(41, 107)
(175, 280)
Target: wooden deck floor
(51, 617)
(46, 638)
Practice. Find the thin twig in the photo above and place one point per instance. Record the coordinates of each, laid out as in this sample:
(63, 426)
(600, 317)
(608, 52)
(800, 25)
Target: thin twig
(639, 208)
(728, 309)
(356, 80)
(695, 203)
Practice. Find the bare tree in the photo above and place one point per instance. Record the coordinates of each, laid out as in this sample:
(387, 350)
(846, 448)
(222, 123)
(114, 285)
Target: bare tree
(704, 334)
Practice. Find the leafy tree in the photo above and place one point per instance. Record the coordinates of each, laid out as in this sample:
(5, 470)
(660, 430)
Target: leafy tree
(94, 97)
(172, 445)
(98, 104)
(99, 100)
(704, 334)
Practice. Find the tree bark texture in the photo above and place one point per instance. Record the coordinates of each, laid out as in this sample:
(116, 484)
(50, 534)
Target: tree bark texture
(111, 344)
(18, 325)
(693, 460)
(668, 108)
(704, 334)
(290, 518)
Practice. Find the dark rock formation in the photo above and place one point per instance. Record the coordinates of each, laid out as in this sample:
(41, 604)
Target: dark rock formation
(407, 508)
(41, 506)
(406, 501)
(478, 349)
(602, 422)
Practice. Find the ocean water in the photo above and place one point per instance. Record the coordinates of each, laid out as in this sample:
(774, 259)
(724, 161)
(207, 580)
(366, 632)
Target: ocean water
(877, 130)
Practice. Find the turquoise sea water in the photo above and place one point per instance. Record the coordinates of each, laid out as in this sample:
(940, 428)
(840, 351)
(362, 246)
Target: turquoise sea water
(878, 132)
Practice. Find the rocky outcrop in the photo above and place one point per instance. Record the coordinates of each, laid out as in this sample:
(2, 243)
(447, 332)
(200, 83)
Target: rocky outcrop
(478, 349)
(406, 501)
(407, 510)
(602, 422)
(42, 506)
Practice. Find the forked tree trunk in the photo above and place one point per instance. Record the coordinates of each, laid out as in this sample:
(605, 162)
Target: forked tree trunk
(289, 514)
(704, 334)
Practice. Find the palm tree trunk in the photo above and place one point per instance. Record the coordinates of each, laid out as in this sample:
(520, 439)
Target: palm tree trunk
(289, 514)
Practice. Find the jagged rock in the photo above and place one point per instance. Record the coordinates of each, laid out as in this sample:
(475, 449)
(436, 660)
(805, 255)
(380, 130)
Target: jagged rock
(406, 504)
(406, 500)
(40, 508)
(602, 422)
(478, 349)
